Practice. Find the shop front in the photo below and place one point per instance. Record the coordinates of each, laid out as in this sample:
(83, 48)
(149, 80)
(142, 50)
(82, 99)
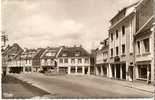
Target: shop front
(143, 71)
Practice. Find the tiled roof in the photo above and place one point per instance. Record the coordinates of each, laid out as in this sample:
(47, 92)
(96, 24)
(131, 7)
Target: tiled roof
(71, 51)
(28, 54)
(12, 51)
(53, 50)
(9, 49)
(39, 53)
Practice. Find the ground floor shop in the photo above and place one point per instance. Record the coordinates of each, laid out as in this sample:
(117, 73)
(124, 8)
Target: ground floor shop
(77, 70)
(101, 70)
(47, 68)
(19, 69)
(144, 71)
(119, 71)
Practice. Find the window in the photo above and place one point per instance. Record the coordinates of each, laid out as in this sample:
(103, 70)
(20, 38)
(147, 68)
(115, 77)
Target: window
(146, 45)
(73, 69)
(79, 69)
(66, 60)
(116, 34)
(64, 54)
(79, 60)
(50, 54)
(138, 45)
(111, 36)
(142, 71)
(61, 60)
(123, 49)
(72, 60)
(116, 51)
(123, 30)
(26, 61)
(86, 60)
(111, 52)
(77, 54)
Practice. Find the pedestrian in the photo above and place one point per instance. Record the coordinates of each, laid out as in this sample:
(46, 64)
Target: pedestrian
(148, 77)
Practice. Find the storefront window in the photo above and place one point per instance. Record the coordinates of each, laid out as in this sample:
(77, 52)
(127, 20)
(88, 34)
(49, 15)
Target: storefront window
(79, 69)
(73, 69)
(142, 70)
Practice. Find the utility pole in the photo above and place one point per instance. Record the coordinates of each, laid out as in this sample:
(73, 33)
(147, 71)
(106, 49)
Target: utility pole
(4, 38)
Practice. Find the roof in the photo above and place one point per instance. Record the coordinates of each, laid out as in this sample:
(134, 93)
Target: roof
(39, 53)
(53, 50)
(124, 9)
(28, 53)
(71, 51)
(12, 52)
(147, 25)
(9, 50)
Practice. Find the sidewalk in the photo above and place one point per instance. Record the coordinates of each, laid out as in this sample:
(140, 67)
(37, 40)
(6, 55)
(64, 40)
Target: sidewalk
(135, 85)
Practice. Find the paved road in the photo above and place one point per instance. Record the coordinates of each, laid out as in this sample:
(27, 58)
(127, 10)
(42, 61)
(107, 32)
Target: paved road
(13, 88)
(81, 86)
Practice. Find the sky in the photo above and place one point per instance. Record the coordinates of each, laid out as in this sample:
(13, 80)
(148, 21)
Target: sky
(42, 23)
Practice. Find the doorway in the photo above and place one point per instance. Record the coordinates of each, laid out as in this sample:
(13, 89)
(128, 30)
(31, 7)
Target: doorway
(117, 70)
(124, 71)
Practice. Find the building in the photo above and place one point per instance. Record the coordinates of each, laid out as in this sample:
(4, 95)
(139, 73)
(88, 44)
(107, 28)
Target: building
(73, 60)
(121, 57)
(8, 56)
(49, 57)
(102, 63)
(36, 60)
(144, 41)
(92, 61)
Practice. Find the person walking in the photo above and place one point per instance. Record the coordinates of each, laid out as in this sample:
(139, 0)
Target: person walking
(148, 76)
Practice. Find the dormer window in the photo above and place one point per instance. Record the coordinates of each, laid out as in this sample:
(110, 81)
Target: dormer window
(50, 54)
(77, 54)
(64, 54)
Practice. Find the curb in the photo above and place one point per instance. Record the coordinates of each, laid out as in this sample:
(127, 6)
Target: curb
(126, 85)
(32, 84)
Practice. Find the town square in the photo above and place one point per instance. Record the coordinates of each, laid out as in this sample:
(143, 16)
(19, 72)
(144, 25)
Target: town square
(61, 49)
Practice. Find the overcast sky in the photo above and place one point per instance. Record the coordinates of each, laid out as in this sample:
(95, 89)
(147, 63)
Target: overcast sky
(42, 23)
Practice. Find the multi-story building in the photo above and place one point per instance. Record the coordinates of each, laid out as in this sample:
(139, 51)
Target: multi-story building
(74, 60)
(26, 59)
(102, 64)
(121, 57)
(92, 61)
(36, 60)
(144, 41)
(49, 57)
(9, 55)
